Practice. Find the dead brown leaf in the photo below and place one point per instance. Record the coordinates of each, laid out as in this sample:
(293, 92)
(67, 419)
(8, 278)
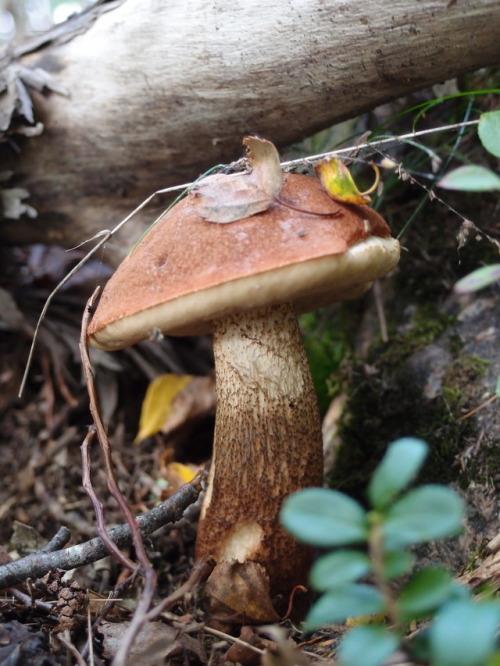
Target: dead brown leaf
(25, 539)
(22, 644)
(238, 593)
(156, 644)
(226, 198)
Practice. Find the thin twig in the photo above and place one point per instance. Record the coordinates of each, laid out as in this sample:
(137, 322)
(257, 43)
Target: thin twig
(232, 639)
(58, 541)
(478, 408)
(29, 602)
(108, 604)
(103, 438)
(432, 196)
(38, 564)
(65, 640)
(146, 569)
(312, 159)
(430, 189)
(90, 641)
(98, 507)
(289, 610)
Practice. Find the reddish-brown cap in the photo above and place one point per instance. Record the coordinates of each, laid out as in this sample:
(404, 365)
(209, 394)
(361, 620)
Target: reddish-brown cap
(187, 272)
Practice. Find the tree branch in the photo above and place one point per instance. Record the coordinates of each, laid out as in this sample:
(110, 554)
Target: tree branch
(40, 563)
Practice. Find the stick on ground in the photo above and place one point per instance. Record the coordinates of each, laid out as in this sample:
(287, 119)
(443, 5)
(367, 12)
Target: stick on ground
(40, 563)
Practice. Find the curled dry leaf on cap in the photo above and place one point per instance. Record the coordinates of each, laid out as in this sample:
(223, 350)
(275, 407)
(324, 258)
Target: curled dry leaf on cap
(226, 198)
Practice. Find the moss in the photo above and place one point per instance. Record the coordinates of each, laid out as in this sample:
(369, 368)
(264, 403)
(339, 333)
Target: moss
(382, 408)
(329, 334)
(452, 396)
(377, 415)
(385, 403)
(459, 382)
(425, 326)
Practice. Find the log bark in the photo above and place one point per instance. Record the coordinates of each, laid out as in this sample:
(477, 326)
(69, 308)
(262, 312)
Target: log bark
(160, 91)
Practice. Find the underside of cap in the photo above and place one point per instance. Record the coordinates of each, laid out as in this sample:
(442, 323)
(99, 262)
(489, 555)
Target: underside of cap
(187, 272)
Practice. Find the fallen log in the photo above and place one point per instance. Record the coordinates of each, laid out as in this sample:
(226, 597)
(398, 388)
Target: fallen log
(157, 92)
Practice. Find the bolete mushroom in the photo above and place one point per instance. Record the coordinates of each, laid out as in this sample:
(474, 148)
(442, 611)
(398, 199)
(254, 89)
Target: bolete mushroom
(245, 282)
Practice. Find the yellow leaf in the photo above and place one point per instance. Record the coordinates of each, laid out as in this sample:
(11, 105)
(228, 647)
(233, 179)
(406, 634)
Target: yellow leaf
(361, 620)
(185, 473)
(338, 182)
(157, 403)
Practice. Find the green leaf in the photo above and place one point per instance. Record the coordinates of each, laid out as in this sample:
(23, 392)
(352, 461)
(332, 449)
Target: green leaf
(424, 592)
(369, 646)
(494, 659)
(489, 131)
(397, 563)
(463, 633)
(324, 518)
(426, 513)
(338, 568)
(399, 466)
(478, 279)
(343, 602)
(470, 178)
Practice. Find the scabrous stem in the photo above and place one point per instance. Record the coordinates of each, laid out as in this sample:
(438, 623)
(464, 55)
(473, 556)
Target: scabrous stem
(267, 444)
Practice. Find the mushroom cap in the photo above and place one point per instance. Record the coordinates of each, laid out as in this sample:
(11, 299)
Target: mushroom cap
(186, 271)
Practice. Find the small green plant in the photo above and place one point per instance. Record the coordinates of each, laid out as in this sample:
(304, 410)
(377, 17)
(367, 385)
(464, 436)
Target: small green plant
(472, 177)
(475, 178)
(374, 543)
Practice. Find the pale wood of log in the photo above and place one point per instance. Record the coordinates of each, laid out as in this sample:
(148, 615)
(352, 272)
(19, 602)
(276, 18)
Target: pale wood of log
(161, 90)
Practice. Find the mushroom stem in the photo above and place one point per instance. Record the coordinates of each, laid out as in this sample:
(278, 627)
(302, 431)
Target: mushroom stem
(267, 443)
